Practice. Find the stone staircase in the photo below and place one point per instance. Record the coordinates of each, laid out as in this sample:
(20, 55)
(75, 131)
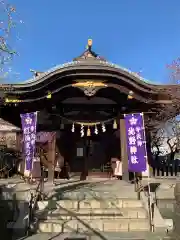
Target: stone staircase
(119, 215)
(92, 210)
(110, 206)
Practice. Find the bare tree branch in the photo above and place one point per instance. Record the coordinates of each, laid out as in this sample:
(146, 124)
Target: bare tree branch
(7, 24)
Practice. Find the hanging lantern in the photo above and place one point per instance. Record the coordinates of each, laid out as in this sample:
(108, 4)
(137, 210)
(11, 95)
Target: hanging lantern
(82, 130)
(49, 95)
(103, 127)
(96, 130)
(88, 132)
(73, 128)
(115, 124)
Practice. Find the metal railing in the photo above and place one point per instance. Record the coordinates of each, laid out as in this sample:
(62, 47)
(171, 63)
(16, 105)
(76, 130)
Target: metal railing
(35, 197)
(5, 171)
(166, 171)
(165, 166)
(151, 201)
(8, 164)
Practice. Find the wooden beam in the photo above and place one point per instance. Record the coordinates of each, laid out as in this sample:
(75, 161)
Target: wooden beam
(123, 145)
(164, 102)
(51, 159)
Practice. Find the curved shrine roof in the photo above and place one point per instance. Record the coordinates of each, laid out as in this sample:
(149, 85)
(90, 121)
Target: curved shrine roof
(78, 62)
(99, 67)
(90, 58)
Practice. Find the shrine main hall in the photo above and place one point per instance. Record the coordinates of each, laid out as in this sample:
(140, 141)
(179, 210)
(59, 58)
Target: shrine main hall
(83, 102)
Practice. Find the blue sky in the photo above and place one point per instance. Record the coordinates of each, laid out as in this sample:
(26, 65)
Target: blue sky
(136, 34)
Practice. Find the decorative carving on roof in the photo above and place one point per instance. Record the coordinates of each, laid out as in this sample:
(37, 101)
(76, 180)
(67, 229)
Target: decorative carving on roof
(89, 87)
(89, 54)
(36, 73)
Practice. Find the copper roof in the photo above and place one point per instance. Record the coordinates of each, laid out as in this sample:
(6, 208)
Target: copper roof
(7, 127)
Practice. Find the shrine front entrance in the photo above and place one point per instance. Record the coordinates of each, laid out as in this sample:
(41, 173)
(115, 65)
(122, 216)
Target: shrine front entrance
(90, 155)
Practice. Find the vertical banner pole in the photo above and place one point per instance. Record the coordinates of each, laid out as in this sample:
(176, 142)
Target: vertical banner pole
(149, 190)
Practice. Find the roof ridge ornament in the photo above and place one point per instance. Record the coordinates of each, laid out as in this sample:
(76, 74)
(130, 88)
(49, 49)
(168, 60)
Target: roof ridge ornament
(36, 73)
(89, 54)
(89, 45)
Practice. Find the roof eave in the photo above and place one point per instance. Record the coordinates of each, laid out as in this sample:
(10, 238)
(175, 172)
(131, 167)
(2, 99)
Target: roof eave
(96, 64)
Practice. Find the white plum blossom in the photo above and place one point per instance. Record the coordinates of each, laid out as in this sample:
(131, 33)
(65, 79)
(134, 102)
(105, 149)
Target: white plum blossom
(133, 121)
(28, 120)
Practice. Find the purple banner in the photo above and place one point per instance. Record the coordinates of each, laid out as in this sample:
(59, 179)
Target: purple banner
(136, 144)
(28, 122)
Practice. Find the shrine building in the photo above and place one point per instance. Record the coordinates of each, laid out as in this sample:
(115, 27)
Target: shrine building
(83, 102)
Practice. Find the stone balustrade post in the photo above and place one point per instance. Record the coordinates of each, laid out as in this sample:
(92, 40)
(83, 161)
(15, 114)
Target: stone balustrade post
(177, 210)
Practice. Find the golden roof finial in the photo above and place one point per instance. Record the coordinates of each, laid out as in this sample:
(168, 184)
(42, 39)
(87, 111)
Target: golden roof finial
(89, 45)
(89, 42)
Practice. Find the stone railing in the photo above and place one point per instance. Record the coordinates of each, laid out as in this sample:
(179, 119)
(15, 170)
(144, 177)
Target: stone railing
(177, 210)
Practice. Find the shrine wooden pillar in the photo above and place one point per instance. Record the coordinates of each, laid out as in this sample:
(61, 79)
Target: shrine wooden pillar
(124, 155)
(51, 158)
(18, 141)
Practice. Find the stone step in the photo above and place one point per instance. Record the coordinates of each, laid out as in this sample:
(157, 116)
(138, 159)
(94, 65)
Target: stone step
(88, 214)
(79, 226)
(110, 236)
(90, 204)
(100, 193)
